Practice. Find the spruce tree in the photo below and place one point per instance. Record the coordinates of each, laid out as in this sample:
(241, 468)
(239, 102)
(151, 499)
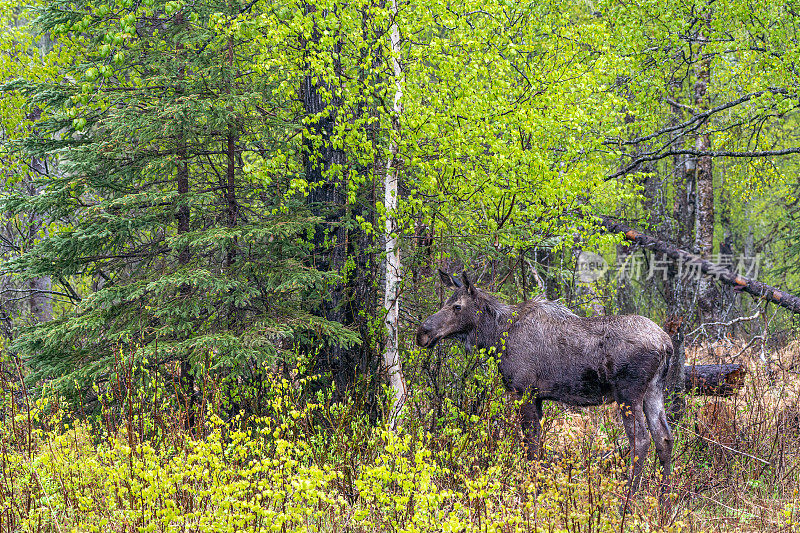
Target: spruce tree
(169, 247)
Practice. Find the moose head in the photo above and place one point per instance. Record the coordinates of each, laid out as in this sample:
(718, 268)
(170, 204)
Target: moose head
(457, 318)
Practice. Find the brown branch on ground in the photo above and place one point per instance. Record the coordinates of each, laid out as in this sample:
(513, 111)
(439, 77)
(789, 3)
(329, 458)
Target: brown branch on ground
(714, 380)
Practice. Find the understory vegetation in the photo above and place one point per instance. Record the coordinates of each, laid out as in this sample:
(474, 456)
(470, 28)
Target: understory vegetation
(323, 466)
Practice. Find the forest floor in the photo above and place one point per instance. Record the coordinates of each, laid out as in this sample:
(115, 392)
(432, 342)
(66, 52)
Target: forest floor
(737, 466)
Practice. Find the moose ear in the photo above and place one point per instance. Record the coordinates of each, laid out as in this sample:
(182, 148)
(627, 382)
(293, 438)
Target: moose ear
(467, 283)
(448, 280)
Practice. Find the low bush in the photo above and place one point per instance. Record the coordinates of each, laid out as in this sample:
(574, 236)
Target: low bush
(324, 466)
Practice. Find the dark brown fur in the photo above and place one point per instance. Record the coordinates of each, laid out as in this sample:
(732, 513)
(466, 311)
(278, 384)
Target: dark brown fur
(548, 353)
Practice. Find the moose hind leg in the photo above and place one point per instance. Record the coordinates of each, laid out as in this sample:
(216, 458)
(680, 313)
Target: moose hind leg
(635, 427)
(659, 429)
(531, 416)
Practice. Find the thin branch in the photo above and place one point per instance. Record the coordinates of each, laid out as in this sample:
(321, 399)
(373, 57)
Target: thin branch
(702, 116)
(727, 324)
(655, 156)
(31, 292)
(734, 450)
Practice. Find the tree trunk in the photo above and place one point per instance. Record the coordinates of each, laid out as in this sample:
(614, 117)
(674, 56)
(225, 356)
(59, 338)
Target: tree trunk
(232, 206)
(182, 215)
(391, 355)
(327, 200)
(187, 377)
(41, 305)
(40, 302)
(676, 289)
(704, 179)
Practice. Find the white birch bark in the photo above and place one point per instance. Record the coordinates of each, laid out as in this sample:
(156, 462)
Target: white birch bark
(391, 355)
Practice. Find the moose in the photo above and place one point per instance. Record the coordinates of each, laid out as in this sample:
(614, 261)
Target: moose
(547, 352)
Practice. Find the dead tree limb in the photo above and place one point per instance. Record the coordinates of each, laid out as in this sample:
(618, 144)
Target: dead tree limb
(719, 272)
(714, 380)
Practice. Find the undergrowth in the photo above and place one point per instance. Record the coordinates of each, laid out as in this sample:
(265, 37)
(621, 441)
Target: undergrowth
(324, 466)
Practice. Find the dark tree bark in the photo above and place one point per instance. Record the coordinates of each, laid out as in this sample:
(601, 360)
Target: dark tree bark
(327, 201)
(232, 206)
(714, 380)
(350, 300)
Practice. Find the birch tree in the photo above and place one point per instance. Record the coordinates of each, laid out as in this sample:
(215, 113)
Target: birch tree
(391, 356)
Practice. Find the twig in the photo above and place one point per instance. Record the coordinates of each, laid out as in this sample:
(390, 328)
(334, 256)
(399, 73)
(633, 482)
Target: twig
(728, 447)
(714, 501)
(746, 346)
(726, 324)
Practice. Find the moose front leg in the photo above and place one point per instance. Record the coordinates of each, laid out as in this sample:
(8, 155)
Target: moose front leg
(636, 428)
(531, 419)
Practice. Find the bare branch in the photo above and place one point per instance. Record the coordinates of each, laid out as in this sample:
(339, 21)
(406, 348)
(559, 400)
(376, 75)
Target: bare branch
(701, 116)
(719, 272)
(655, 156)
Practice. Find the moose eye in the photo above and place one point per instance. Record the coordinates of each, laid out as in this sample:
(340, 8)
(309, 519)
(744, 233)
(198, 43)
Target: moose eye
(456, 307)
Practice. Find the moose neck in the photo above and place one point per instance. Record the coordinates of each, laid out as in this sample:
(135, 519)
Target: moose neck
(495, 320)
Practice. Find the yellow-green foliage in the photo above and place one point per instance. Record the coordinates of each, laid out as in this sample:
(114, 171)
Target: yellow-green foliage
(324, 467)
(280, 474)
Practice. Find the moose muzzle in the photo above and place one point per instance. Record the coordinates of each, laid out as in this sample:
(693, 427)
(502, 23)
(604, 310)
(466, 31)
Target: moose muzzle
(425, 336)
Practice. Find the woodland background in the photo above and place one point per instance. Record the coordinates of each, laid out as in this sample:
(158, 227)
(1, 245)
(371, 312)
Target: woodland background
(221, 224)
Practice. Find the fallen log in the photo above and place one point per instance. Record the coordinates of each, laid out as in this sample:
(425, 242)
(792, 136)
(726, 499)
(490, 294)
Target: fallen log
(714, 380)
(723, 274)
